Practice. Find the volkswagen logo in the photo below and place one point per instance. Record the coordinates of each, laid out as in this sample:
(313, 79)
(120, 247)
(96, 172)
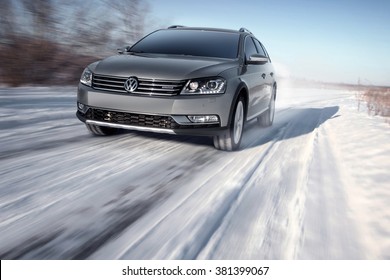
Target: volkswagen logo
(131, 84)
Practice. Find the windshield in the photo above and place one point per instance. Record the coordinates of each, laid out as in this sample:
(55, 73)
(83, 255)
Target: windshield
(190, 42)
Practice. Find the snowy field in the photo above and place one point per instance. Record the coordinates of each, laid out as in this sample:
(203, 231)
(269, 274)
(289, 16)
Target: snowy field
(315, 185)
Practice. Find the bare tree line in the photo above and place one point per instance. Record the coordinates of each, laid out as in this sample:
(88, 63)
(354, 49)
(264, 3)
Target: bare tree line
(50, 41)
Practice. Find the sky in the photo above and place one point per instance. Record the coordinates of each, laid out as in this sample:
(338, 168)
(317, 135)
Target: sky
(345, 41)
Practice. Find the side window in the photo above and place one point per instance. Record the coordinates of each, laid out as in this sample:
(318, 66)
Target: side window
(259, 48)
(266, 53)
(250, 47)
(262, 49)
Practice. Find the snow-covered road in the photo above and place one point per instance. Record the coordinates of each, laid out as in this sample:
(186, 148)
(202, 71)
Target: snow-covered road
(315, 185)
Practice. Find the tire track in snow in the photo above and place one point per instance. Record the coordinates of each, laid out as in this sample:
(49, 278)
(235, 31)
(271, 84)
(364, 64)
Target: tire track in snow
(267, 220)
(329, 231)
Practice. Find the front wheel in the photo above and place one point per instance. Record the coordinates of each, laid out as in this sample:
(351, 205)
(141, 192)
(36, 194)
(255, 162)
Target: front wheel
(231, 139)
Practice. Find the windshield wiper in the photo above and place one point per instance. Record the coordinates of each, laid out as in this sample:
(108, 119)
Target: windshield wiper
(127, 50)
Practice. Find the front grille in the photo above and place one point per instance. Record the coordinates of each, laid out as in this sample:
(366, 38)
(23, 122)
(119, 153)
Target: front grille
(153, 121)
(131, 119)
(145, 86)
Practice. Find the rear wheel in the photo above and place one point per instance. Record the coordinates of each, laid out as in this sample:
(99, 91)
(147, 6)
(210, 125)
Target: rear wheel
(231, 139)
(267, 118)
(101, 130)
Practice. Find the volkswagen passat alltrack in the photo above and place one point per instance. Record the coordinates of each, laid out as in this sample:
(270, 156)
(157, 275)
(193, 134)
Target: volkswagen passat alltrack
(181, 80)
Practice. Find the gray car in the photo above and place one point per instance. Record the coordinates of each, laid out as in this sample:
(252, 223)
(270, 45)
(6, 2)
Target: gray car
(180, 80)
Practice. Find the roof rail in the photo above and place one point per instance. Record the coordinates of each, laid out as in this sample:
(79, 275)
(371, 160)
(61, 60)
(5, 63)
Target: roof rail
(175, 26)
(243, 29)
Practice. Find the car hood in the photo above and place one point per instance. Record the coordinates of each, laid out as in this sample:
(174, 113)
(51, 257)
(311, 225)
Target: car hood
(161, 67)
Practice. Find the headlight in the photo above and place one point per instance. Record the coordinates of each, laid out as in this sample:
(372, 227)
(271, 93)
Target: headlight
(205, 86)
(86, 77)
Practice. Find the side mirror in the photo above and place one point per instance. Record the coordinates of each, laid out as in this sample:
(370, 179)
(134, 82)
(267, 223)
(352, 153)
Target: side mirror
(257, 59)
(123, 50)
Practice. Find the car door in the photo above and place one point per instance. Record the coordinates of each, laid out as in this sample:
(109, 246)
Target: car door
(252, 76)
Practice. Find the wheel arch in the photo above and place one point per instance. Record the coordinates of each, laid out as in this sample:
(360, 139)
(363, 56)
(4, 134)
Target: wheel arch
(241, 90)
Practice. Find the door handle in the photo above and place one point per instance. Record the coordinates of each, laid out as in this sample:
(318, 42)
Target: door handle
(272, 74)
(263, 75)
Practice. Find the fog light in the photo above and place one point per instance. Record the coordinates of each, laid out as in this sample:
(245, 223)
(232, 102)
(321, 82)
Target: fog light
(82, 108)
(204, 119)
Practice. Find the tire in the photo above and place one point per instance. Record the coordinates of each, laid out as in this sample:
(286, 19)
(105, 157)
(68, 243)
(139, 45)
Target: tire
(101, 130)
(267, 118)
(231, 139)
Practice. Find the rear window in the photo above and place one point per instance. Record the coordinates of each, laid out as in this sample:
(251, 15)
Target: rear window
(190, 42)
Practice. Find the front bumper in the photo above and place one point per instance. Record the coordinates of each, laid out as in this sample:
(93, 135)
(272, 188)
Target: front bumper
(153, 113)
(141, 122)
